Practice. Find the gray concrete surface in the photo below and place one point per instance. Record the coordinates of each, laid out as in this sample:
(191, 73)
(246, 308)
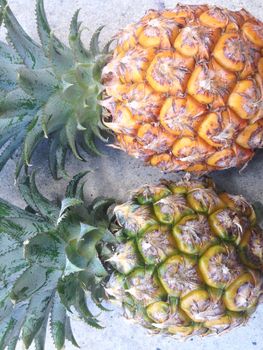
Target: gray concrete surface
(116, 173)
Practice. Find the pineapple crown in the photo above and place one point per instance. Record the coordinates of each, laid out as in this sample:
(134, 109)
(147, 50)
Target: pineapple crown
(49, 90)
(50, 258)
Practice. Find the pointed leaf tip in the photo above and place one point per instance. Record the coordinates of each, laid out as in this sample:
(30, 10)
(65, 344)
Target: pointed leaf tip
(73, 185)
(58, 323)
(71, 133)
(66, 204)
(94, 42)
(30, 52)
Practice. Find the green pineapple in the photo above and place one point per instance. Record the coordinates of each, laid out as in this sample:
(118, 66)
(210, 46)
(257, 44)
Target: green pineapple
(181, 259)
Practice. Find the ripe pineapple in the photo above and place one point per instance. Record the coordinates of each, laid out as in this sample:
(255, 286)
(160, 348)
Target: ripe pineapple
(185, 88)
(181, 258)
(182, 89)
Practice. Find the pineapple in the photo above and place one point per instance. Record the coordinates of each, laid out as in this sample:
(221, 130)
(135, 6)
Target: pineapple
(181, 258)
(182, 90)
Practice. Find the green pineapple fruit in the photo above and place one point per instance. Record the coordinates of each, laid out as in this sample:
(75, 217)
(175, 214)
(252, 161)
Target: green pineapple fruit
(180, 258)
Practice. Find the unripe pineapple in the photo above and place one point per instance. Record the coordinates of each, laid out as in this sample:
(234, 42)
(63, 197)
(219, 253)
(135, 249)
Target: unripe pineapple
(181, 258)
(182, 89)
(185, 266)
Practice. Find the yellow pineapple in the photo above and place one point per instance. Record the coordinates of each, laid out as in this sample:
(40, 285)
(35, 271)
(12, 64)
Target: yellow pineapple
(185, 88)
(182, 89)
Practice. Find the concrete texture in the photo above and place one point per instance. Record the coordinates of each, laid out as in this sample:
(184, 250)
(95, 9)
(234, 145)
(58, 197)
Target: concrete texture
(116, 173)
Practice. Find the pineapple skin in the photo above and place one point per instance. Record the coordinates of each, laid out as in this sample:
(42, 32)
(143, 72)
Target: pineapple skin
(185, 88)
(189, 261)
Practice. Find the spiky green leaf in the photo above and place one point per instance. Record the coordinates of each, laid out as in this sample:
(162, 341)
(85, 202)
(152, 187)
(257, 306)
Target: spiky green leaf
(36, 314)
(10, 149)
(43, 27)
(8, 54)
(40, 83)
(46, 250)
(73, 185)
(40, 338)
(58, 322)
(60, 56)
(30, 52)
(71, 132)
(8, 76)
(10, 328)
(18, 102)
(12, 262)
(94, 42)
(32, 139)
(29, 283)
(66, 204)
(76, 45)
(36, 200)
(69, 333)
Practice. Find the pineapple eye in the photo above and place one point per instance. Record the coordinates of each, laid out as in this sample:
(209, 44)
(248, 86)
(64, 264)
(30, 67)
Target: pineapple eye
(254, 33)
(163, 160)
(251, 248)
(144, 287)
(229, 52)
(184, 186)
(229, 157)
(151, 194)
(115, 287)
(126, 39)
(220, 266)
(156, 244)
(171, 209)
(214, 18)
(143, 101)
(246, 99)
(199, 305)
(252, 136)
(135, 219)
(125, 258)
(169, 72)
(123, 121)
(224, 323)
(180, 116)
(179, 275)
(221, 128)
(204, 201)
(185, 331)
(154, 138)
(211, 84)
(239, 204)
(243, 293)
(193, 234)
(133, 64)
(191, 150)
(196, 41)
(158, 32)
(228, 225)
(158, 312)
(133, 147)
